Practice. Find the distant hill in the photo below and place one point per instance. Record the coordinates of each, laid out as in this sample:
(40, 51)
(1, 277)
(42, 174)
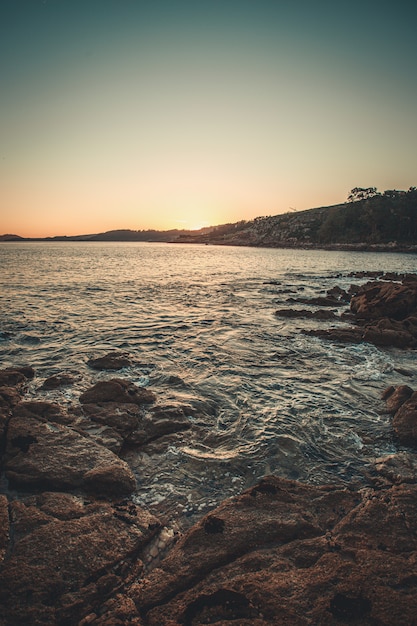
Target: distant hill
(10, 238)
(386, 220)
(368, 220)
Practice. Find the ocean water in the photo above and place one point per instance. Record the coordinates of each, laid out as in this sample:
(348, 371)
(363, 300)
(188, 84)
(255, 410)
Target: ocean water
(200, 324)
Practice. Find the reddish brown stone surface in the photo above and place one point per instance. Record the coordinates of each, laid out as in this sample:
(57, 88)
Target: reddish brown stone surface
(285, 553)
(47, 455)
(380, 299)
(110, 361)
(385, 313)
(405, 421)
(68, 555)
(117, 390)
(402, 404)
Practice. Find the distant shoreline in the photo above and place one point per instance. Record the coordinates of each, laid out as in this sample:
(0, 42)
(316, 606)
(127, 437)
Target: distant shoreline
(341, 247)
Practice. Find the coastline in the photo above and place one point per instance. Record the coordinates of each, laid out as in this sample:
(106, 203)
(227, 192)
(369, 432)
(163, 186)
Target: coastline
(77, 549)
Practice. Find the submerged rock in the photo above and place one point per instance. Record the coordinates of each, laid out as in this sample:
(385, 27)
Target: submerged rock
(306, 313)
(110, 361)
(59, 380)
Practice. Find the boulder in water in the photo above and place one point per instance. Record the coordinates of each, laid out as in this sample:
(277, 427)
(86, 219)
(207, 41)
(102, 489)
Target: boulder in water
(49, 455)
(117, 390)
(110, 361)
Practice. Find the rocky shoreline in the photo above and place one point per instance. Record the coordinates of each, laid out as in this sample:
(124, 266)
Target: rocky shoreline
(76, 549)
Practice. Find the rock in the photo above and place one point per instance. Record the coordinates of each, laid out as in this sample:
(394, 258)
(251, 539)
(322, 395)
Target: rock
(398, 468)
(339, 294)
(43, 411)
(305, 313)
(376, 300)
(4, 526)
(50, 455)
(366, 274)
(15, 377)
(70, 555)
(110, 361)
(329, 300)
(395, 397)
(9, 398)
(164, 420)
(292, 554)
(117, 390)
(134, 425)
(122, 417)
(405, 422)
(274, 512)
(344, 335)
(402, 404)
(385, 314)
(59, 380)
(386, 332)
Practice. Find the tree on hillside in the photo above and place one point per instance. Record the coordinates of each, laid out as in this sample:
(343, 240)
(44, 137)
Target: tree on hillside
(362, 193)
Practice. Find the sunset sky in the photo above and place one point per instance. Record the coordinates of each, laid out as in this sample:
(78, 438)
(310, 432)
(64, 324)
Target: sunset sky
(181, 114)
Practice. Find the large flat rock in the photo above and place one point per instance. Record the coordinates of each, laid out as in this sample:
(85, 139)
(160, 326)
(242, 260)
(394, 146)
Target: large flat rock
(69, 555)
(48, 455)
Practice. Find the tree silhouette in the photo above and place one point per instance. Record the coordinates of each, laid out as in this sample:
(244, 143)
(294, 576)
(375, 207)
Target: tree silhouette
(362, 193)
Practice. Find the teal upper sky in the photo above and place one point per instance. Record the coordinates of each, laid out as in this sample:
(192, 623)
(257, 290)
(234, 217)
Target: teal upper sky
(137, 114)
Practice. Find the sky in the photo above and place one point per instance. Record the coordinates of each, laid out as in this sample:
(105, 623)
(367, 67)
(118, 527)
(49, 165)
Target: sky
(182, 114)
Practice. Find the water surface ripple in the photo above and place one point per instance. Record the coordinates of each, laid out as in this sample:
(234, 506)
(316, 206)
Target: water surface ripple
(199, 322)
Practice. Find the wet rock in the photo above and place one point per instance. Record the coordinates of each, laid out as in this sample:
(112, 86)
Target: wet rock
(402, 404)
(377, 300)
(398, 468)
(404, 372)
(395, 397)
(274, 512)
(405, 422)
(344, 335)
(329, 300)
(50, 455)
(136, 426)
(4, 526)
(366, 274)
(121, 416)
(70, 555)
(102, 435)
(306, 313)
(286, 553)
(164, 420)
(43, 411)
(110, 361)
(339, 294)
(117, 390)
(59, 380)
(9, 398)
(385, 314)
(386, 332)
(16, 376)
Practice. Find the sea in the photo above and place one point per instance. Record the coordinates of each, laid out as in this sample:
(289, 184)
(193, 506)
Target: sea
(199, 323)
